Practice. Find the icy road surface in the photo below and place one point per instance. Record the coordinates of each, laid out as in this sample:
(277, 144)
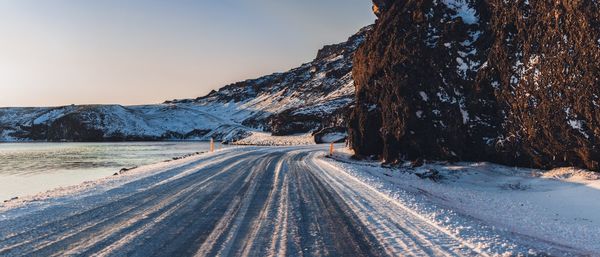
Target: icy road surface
(269, 201)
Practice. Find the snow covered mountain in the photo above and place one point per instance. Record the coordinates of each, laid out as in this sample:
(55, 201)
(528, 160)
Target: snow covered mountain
(108, 123)
(312, 97)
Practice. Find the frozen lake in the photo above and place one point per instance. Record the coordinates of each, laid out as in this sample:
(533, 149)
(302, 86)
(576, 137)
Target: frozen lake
(29, 168)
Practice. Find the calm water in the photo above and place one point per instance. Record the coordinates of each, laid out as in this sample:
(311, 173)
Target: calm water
(29, 168)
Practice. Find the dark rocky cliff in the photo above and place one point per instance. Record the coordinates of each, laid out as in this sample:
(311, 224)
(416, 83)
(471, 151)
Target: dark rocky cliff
(513, 82)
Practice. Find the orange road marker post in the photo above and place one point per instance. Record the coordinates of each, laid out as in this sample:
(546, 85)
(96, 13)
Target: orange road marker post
(212, 145)
(331, 149)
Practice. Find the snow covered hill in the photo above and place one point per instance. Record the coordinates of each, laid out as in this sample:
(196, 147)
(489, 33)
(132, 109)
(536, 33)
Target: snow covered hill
(110, 122)
(307, 99)
(313, 96)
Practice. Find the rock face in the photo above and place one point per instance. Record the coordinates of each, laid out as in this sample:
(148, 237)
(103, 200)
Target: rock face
(513, 82)
(381, 6)
(315, 96)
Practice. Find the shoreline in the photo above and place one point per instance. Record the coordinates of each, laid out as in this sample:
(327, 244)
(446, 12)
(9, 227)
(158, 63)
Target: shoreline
(60, 165)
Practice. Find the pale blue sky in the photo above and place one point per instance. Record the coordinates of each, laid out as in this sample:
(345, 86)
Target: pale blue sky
(58, 52)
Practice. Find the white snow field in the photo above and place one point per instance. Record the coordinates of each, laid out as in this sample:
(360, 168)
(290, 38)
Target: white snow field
(294, 201)
(266, 139)
(557, 207)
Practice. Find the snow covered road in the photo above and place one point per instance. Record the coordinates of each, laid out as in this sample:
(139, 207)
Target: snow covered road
(247, 201)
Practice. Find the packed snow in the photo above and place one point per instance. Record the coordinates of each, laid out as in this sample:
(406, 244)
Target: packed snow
(472, 209)
(266, 139)
(559, 206)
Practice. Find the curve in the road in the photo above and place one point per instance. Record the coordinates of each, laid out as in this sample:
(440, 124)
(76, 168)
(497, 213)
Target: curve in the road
(254, 202)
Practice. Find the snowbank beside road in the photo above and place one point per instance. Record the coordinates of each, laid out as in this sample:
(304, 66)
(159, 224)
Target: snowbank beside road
(559, 206)
(266, 139)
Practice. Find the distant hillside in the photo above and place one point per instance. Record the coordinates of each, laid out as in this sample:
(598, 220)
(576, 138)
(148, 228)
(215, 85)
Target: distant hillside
(315, 96)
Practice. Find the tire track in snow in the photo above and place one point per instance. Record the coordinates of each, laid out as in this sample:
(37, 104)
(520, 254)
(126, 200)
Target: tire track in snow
(93, 218)
(260, 201)
(16, 234)
(401, 221)
(112, 226)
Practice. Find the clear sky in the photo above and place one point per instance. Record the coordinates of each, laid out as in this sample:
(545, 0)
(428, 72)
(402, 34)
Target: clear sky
(60, 52)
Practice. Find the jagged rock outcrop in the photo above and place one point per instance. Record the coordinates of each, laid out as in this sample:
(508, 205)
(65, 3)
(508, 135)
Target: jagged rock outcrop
(513, 82)
(381, 6)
